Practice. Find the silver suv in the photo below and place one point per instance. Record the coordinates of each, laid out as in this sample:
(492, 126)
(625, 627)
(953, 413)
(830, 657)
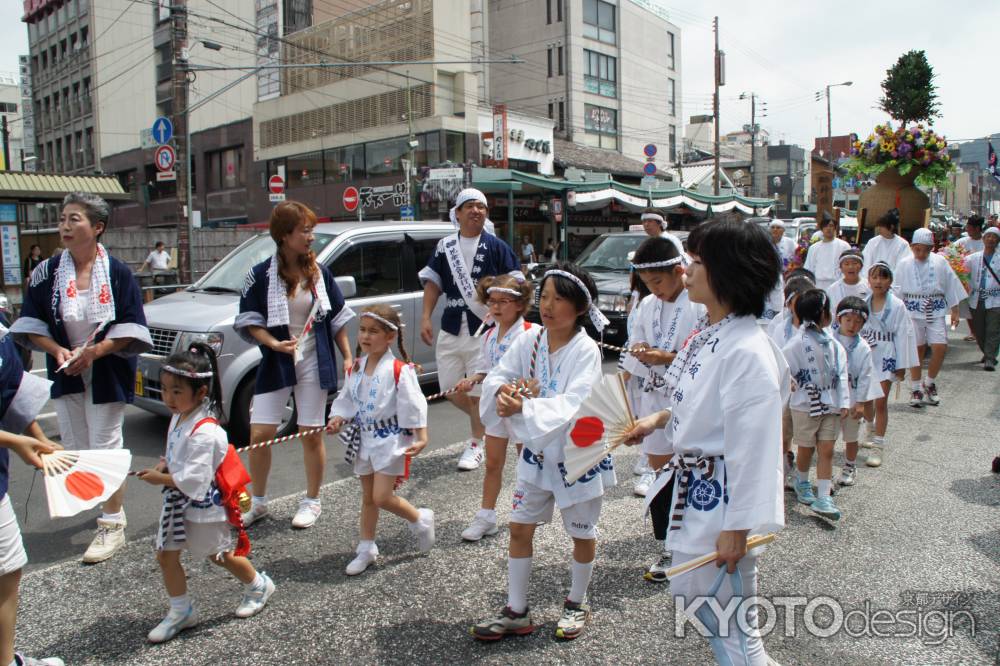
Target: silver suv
(371, 263)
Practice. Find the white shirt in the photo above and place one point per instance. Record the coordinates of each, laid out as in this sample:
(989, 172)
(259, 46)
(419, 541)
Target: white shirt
(158, 260)
(493, 347)
(79, 331)
(299, 306)
(823, 260)
(840, 290)
(890, 250)
(969, 244)
(781, 329)
(192, 459)
(527, 250)
(786, 248)
(931, 283)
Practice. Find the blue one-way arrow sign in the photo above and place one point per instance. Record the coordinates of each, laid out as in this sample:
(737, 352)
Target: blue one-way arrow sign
(163, 130)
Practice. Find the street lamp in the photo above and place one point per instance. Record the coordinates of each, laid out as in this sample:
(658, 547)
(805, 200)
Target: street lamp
(829, 132)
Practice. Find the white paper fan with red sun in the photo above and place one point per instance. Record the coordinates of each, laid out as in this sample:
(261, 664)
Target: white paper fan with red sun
(598, 427)
(79, 480)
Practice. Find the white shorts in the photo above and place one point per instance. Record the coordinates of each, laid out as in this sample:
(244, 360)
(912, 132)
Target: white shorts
(656, 444)
(203, 539)
(310, 399)
(533, 505)
(363, 466)
(84, 425)
(501, 430)
(933, 332)
(12, 555)
(457, 357)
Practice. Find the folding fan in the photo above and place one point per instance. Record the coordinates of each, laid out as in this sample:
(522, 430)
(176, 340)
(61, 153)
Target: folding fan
(79, 480)
(86, 343)
(310, 320)
(598, 427)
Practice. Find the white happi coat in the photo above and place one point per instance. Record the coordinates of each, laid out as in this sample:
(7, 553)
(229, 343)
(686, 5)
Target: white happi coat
(378, 398)
(835, 392)
(823, 259)
(840, 290)
(566, 379)
(781, 329)
(928, 288)
(665, 326)
(891, 251)
(862, 386)
(192, 459)
(985, 287)
(493, 347)
(728, 403)
(891, 338)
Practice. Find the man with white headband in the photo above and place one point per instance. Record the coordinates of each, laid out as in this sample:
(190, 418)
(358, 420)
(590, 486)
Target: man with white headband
(655, 224)
(984, 300)
(928, 287)
(458, 263)
(470, 194)
(784, 245)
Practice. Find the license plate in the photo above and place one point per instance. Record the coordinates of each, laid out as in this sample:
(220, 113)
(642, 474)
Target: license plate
(138, 382)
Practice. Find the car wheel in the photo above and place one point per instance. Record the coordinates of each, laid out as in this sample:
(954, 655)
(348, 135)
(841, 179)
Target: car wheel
(239, 414)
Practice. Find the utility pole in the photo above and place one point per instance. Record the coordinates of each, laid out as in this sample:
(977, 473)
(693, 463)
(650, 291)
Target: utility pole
(411, 199)
(182, 137)
(715, 102)
(829, 135)
(5, 130)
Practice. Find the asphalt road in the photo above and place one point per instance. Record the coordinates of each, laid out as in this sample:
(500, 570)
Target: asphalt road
(919, 537)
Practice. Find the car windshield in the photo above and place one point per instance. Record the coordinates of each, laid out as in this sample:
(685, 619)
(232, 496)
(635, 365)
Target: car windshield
(229, 274)
(610, 252)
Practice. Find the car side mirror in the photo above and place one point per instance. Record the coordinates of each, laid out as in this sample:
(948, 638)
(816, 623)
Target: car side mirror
(348, 287)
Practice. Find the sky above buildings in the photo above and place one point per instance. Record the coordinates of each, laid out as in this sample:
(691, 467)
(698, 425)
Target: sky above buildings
(787, 51)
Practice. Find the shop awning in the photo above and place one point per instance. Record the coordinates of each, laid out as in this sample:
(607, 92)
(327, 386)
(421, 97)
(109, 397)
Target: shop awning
(40, 187)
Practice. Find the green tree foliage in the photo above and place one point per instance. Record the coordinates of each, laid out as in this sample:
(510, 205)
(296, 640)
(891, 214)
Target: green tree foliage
(910, 93)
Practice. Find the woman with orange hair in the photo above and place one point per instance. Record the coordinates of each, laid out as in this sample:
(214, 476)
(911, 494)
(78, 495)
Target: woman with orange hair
(292, 308)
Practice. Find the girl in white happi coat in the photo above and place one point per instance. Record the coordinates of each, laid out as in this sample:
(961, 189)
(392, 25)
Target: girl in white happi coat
(508, 299)
(665, 319)
(558, 366)
(726, 388)
(852, 313)
(387, 412)
(194, 515)
(889, 333)
(819, 401)
(929, 288)
(634, 391)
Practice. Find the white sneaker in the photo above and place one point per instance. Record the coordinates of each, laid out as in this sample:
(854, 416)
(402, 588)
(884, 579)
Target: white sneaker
(24, 660)
(472, 457)
(846, 477)
(423, 529)
(643, 484)
(256, 512)
(254, 600)
(478, 528)
(364, 559)
(109, 538)
(306, 515)
(173, 624)
(874, 458)
(931, 394)
(641, 465)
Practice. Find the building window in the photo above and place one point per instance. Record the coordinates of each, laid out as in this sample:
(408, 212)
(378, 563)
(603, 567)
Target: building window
(599, 73)
(306, 169)
(673, 144)
(224, 169)
(559, 60)
(548, 13)
(561, 127)
(599, 20)
(158, 190)
(8, 107)
(428, 153)
(344, 164)
(550, 61)
(551, 111)
(670, 51)
(602, 124)
(558, 11)
(383, 158)
(672, 97)
(454, 147)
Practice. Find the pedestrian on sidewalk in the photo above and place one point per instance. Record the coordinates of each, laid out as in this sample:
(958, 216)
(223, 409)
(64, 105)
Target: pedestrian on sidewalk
(984, 301)
(84, 310)
(890, 335)
(158, 259)
(292, 308)
(458, 263)
(727, 386)
(22, 396)
(193, 518)
(928, 287)
(387, 415)
(852, 314)
(539, 386)
(819, 401)
(509, 301)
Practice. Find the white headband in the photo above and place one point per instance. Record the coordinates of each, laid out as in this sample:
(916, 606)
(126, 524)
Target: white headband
(658, 264)
(992, 230)
(468, 194)
(388, 324)
(596, 316)
(187, 373)
(653, 216)
(504, 290)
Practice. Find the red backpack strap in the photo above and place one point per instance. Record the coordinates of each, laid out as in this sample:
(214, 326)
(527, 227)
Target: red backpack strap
(397, 367)
(207, 419)
(527, 325)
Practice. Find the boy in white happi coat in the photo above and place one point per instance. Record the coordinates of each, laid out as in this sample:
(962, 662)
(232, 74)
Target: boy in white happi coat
(823, 258)
(851, 283)
(929, 288)
(852, 313)
(539, 386)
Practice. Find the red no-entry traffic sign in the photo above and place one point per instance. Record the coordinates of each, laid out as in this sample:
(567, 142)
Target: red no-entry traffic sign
(276, 185)
(351, 198)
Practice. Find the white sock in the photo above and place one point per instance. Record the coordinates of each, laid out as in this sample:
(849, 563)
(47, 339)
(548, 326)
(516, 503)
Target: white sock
(802, 477)
(518, 572)
(878, 441)
(487, 514)
(259, 500)
(307, 500)
(114, 517)
(367, 546)
(916, 385)
(582, 571)
(180, 604)
(257, 583)
(823, 486)
(929, 381)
